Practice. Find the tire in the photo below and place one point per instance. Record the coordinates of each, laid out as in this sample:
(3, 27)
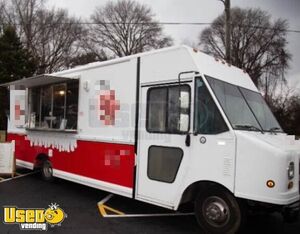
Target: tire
(291, 217)
(47, 171)
(218, 211)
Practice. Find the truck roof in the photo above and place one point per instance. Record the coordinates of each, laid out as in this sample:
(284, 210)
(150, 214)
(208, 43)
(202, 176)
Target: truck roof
(206, 65)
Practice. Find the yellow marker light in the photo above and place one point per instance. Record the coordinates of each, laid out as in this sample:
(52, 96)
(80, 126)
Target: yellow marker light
(290, 185)
(270, 183)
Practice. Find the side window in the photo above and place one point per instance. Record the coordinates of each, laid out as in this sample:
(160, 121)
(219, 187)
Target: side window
(54, 106)
(59, 105)
(157, 110)
(168, 109)
(163, 163)
(72, 105)
(208, 119)
(46, 107)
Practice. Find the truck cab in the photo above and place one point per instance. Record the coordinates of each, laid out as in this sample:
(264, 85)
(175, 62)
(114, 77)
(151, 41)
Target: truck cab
(209, 137)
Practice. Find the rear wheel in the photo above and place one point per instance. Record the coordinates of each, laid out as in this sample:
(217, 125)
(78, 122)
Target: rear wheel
(218, 211)
(47, 171)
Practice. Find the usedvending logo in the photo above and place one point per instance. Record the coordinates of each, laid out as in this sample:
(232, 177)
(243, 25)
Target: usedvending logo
(34, 218)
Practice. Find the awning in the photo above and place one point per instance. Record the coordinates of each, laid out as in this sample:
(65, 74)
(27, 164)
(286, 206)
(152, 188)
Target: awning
(39, 80)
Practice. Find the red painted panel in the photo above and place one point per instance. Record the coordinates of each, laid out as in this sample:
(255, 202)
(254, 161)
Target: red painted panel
(109, 162)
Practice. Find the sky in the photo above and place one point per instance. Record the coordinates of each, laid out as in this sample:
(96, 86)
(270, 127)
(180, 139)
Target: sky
(204, 11)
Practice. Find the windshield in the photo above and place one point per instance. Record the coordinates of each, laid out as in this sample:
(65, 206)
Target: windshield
(244, 108)
(208, 119)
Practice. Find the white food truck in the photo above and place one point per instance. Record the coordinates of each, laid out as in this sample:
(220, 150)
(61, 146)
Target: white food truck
(165, 127)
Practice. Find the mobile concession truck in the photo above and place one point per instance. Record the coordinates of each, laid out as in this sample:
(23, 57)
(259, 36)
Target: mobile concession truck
(165, 127)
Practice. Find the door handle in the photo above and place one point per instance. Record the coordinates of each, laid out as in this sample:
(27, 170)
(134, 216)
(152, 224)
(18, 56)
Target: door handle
(188, 140)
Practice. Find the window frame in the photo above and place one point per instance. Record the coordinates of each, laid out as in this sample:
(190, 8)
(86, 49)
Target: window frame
(40, 87)
(167, 109)
(211, 93)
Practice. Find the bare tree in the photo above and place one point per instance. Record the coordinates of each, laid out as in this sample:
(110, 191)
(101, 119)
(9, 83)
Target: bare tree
(286, 107)
(2, 10)
(58, 39)
(257, 45)
(86, 57)
(126, 27)
(51, 36)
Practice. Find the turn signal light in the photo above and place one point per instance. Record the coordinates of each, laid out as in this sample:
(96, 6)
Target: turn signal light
(270, 183)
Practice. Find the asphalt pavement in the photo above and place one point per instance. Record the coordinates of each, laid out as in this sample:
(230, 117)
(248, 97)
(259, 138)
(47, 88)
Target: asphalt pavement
(117, 214)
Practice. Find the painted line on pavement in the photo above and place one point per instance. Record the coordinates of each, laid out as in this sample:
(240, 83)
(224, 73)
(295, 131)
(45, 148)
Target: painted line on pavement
(102, 208)
(118, 214)
(148, 215)
(18, 176)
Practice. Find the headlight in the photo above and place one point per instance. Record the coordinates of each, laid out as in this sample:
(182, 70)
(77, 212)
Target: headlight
(291, 170)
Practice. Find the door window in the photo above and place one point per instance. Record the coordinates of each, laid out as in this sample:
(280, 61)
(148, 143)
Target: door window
(163, 163)
(168, 109)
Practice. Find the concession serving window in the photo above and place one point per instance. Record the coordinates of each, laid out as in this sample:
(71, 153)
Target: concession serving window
(52, 102)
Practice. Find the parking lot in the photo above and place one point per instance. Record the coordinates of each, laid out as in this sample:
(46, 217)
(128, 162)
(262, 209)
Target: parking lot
(93, 211)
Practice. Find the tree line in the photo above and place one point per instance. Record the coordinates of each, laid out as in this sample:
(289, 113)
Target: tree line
(58, 41)
(36, 39)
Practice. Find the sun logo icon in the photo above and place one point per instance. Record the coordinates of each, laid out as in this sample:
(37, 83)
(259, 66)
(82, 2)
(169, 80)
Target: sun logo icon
(55, 215)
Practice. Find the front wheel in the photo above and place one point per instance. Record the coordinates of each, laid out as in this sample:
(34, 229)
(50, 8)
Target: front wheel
(47, 171)
(218, 211)
(291, 216)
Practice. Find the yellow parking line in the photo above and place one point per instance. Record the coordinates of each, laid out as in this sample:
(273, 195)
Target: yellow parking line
(113, 210)
(118, 214)
(102, 208)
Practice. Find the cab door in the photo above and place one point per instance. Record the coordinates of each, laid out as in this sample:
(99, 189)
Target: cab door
(163, 153)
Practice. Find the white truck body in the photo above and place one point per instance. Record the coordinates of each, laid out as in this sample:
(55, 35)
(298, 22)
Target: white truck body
(241, 161)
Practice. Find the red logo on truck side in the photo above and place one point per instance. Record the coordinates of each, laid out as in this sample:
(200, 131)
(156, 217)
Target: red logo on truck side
(108, 103)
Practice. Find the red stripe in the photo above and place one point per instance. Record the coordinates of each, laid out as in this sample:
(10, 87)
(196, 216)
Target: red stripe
(109, 162)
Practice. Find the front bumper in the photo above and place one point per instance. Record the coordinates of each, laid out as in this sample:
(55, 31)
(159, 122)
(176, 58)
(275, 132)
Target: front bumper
(294, 207)
(291, 212)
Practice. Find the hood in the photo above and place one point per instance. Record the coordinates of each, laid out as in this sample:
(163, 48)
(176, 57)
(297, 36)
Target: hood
(282, 141)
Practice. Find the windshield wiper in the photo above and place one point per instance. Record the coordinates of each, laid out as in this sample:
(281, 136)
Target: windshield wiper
(275, 129)
(248, 127)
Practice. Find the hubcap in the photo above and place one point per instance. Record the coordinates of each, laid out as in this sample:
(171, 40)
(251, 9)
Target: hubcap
(47, 170)
(216, 211)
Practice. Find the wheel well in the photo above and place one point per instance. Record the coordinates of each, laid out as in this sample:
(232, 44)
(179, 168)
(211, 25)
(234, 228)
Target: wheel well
(40, 158)
(192, 190)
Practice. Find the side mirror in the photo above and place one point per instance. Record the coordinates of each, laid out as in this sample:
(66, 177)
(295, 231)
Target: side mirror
(184, 105)
(184, 122)
(184, 100)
